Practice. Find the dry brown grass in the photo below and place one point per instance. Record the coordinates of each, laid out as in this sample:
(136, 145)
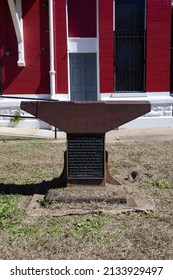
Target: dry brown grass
(24, 164)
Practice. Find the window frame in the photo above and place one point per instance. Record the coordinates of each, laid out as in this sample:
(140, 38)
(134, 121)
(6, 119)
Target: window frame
(143, 53)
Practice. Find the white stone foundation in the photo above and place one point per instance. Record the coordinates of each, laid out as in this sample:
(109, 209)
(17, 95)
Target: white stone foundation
(160, 116)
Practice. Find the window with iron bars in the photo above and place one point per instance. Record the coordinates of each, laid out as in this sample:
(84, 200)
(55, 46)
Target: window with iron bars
(129, 45)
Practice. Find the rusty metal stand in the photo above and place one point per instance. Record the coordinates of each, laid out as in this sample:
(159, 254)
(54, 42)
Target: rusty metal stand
(63, 181)
(86, 161)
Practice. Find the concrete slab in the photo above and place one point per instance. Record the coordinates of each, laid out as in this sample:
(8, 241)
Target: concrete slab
(107, 200)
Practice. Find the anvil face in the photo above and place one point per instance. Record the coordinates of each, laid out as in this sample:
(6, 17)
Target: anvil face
(86, 116)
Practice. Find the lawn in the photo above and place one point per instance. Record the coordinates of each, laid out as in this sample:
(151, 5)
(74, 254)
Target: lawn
(25, 164)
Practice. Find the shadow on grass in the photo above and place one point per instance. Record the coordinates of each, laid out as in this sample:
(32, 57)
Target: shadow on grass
(31, 189)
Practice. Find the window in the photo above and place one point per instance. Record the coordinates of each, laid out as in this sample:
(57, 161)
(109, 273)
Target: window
(129, 40)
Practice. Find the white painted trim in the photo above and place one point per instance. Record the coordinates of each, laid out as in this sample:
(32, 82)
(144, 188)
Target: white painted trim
(21, 54)
(113, 15)
(153, 97)
(156, 97)
(16, 14)
(82, 45)
(51, 47)
(61, 97)
(15, 17)
(128, 94)
(68, 58)
(39, 96)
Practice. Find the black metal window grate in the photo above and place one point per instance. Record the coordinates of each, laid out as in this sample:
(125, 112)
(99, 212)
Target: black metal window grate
(129, 61)
(129, 42)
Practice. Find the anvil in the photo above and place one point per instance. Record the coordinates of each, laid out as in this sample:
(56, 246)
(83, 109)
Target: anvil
(86, 122)
(86, 116)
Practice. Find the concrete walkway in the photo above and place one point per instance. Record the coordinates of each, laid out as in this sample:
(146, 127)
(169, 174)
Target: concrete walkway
(121, 135)
(27, 133)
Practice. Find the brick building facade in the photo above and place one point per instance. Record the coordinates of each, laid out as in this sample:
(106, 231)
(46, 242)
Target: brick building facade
(88, 50)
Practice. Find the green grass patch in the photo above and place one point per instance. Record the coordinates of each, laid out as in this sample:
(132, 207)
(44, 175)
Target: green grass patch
(10, 213)
(89, 226)
(135, 158)
(154, 216)
(161, 184)
(115, 172)
(11, 217)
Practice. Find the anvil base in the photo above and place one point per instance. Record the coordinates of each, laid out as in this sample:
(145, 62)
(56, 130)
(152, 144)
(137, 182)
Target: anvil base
(64, 181)
(80, 201)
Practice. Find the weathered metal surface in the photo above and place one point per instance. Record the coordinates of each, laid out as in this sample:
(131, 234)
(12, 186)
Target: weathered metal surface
(88, 116)
(86, 161)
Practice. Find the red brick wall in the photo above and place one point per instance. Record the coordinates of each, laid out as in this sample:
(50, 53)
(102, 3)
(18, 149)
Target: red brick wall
(82, 18)
(106, 46)
(158, 30)
(34, 77)
(61, 47)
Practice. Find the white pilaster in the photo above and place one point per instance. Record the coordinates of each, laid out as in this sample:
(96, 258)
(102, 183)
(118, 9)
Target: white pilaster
(16, 14)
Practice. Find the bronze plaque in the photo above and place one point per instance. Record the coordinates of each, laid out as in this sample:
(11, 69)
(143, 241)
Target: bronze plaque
(85, 156)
